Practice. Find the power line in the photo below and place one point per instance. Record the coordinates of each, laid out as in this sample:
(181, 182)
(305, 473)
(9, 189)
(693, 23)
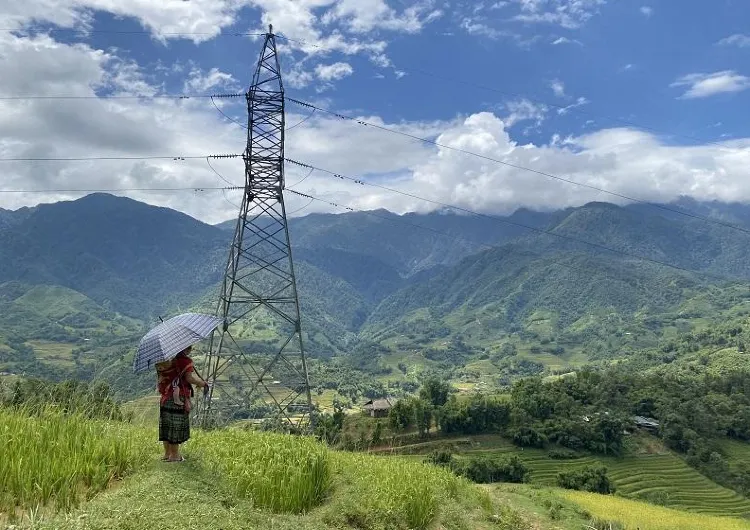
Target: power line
(514, 223)
(120, 96)
(43, 29)
(566, 108)
(114, 190)
(398, 220)
(86, 158)
(484, 246)
(516, 166)
(408, 69)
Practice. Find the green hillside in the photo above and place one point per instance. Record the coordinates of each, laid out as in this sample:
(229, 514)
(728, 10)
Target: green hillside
(53, 331)
(111, 478)
(649, 473)
(379, 294)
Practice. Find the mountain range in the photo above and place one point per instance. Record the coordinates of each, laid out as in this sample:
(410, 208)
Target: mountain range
(479, 292)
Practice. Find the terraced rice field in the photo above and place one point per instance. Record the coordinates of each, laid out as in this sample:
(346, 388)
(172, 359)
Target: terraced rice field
(662, 477)
(646, 476)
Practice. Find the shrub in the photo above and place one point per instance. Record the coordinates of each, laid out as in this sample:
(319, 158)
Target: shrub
(563, 454)
(487, 469)
(441, 457)
(590, 478)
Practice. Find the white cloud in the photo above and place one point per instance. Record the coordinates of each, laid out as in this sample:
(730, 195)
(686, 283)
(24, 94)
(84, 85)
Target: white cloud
(742, 41)
(206, 17)
(159, 127)
(621, 160)
(624, 160)
(199, 81)
(647, 11)
(581, 101)
(302, 20)
(570, 14)
(558, 87)
(566, 40)
(309, 23)
(705, 85)
(362, 16)
(333, 72)
(523, 110)
(475, 26)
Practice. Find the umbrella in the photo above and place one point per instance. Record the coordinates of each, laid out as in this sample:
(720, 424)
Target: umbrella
(172, 336)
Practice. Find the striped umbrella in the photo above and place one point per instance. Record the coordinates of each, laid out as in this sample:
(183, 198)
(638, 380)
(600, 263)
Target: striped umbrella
(172, 336)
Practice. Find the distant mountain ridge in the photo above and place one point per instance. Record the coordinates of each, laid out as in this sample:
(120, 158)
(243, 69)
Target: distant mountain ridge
(403, 282)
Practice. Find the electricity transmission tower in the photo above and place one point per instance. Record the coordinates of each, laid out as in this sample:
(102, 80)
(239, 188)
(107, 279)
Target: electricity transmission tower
(250, 377)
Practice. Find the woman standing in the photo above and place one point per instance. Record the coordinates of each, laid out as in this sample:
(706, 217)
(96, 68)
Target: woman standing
(175, 378)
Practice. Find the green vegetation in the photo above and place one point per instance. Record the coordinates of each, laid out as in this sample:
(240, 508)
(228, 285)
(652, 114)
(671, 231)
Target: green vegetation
(266, 468)
(631, 514)
(647, 471)
(67, 457)
(590, 478)
(55, 458)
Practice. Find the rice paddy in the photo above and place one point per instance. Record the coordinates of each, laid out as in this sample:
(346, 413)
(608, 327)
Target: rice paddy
(661, 477)
(54, 459)
(51, 462)
(632, 514)
(274, 471)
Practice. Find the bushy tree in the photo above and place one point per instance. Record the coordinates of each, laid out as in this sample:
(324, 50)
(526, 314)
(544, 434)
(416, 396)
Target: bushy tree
(435, 391)
(590, 478)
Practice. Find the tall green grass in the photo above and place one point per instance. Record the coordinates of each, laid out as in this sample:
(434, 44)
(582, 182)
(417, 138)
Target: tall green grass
(277, 472)
(397, 492)
(52, 458)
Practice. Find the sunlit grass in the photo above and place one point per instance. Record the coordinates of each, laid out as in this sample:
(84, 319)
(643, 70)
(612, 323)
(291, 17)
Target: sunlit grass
(397, 492)
(51, 458)
(277, 472)
(633, 514)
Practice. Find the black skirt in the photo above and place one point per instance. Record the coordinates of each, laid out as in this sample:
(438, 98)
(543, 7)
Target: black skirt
(174, 423)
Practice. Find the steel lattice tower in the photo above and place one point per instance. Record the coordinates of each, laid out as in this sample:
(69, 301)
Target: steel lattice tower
(250, 378)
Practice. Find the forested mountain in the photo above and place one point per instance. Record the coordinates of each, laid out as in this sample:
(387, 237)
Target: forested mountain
(440, 289)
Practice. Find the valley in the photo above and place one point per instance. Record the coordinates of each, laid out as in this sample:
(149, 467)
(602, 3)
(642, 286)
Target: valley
(390, 303)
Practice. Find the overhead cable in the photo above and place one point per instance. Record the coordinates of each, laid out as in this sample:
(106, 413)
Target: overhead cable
(515, 166)
(86, 158)
(514, 223)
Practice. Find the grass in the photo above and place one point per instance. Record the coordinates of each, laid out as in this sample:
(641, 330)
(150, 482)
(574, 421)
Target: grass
(632, 514)
(54, 459)
(232, 478)
(395, 492)
(276, 472)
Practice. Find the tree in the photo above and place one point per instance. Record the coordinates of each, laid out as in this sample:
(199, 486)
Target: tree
(401, 416)
(435, 391)
(377, 434)
(422, 416)
(590, 478)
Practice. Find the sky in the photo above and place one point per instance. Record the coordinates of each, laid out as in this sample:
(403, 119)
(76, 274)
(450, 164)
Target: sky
(648, 99)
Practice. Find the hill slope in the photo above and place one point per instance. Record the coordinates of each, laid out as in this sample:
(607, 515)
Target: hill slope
(427, 294)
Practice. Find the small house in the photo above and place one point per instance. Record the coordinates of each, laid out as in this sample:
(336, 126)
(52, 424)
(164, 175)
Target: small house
(378, 408)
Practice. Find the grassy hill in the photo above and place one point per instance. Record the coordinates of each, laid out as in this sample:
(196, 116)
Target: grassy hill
(56, 332)
(111, 478)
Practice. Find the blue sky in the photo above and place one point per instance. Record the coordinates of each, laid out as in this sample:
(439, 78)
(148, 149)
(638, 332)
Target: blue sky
(577, 82)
